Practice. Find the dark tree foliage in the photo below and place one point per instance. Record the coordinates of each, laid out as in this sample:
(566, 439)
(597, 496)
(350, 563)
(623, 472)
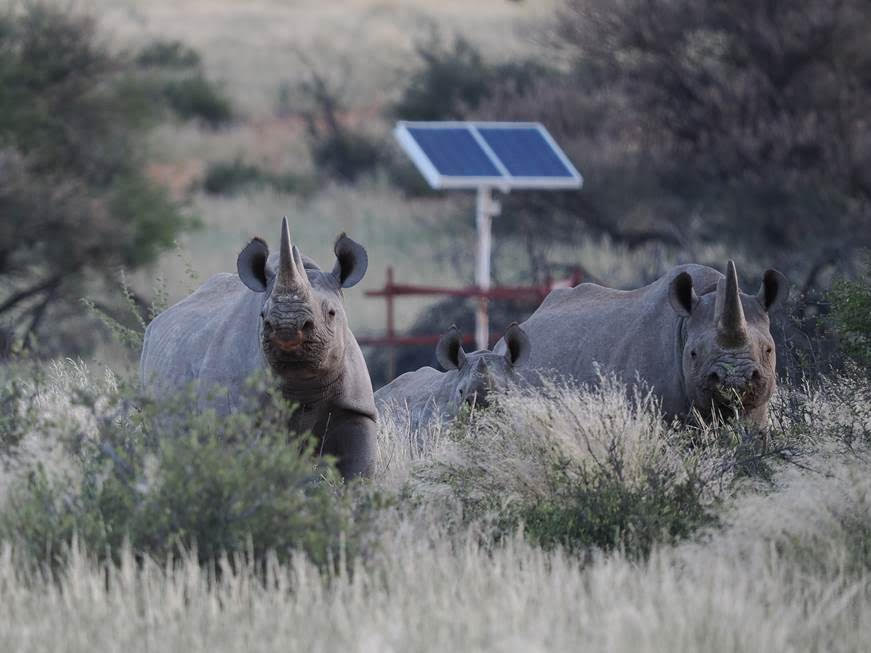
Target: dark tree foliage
(708, 121)
(74, 202)
(168, 54)
(455, 79)
(850, 315)
(337, 150)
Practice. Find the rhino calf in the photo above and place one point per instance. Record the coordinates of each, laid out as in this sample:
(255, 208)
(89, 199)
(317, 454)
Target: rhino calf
(470, 377)
(284, 314)
(692, 335)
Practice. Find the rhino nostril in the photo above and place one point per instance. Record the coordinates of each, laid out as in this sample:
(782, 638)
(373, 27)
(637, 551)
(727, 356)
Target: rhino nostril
(267, 323)
(714, 378)
(755, 376)
(308, 326)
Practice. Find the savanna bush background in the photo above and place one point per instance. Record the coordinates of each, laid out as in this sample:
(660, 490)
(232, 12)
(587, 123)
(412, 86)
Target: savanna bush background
(573, 517)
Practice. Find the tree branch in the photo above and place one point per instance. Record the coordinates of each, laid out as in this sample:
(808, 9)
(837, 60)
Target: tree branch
(20, 296)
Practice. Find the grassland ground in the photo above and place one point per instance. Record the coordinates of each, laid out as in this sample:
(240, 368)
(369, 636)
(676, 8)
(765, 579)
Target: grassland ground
(455, 560)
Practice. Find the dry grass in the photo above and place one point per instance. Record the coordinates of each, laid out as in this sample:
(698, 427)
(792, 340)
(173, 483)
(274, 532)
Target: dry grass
(789, 570)
(429, 594)
(252, 45)
(395, 231)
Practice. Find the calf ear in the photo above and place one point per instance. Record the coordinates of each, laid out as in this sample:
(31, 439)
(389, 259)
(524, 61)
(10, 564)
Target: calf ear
(773, 291)
(351, 261)
(449, 351)
(251, 265)
(517, 345)
(682, 295)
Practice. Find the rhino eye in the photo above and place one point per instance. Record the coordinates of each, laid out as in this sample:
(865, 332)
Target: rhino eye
(769, 349)
(692, 353)
(331, 313)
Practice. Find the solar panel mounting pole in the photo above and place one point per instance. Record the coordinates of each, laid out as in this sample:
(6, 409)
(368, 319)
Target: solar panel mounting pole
(487, 207)
(486, 156)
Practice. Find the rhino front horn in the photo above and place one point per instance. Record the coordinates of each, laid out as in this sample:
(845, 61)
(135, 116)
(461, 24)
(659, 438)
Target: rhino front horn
(291, 276)
(729, 313)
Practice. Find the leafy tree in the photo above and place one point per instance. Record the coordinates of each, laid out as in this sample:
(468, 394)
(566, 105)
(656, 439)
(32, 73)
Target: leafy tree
(708, 122)
(851, 315)
(455, 79)
(75, 204)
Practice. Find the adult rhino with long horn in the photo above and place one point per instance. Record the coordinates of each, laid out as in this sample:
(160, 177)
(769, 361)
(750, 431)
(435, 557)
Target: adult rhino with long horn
(469, 379)
(692, 335)
(284, 314)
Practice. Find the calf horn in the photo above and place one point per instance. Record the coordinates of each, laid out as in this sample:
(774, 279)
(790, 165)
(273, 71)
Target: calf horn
(729, 313)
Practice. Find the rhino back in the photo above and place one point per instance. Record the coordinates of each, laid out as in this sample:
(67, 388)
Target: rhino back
(421, 392)
(632, 333)
(209, 338)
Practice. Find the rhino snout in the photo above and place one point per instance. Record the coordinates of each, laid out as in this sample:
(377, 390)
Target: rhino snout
(477, 399)
(744, 381)
(304, 326)
(278, 320)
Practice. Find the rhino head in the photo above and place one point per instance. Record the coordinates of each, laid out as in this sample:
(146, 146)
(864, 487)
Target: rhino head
(728, 352)
(481, 372)
(304, 328)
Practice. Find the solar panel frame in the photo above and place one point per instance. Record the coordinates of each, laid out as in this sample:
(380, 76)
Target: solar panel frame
(505, 180)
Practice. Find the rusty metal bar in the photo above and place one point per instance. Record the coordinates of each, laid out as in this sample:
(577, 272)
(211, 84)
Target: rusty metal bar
(468, 339)
(498, 292)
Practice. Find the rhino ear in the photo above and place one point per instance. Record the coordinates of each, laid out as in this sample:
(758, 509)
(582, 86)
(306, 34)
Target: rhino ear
(517, 345)
(682, 295)
(351, 261)
(251, 265)
(449, 351)
(773, 291)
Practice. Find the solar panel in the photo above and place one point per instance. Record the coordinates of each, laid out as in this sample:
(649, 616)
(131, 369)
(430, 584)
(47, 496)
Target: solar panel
(475, 154)
(524, 152)
(454, 152)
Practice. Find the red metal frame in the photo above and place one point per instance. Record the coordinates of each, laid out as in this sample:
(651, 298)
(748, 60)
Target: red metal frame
(392, 290)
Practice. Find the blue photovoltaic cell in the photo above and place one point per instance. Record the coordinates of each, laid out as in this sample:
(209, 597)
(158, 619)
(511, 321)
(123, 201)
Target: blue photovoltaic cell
(524, 152)
(454, 152)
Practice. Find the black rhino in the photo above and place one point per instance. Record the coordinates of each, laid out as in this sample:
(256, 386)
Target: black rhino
(427, 393)
(282, 313)
(692, 335)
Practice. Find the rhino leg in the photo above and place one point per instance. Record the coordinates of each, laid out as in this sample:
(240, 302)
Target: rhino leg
(351, 438)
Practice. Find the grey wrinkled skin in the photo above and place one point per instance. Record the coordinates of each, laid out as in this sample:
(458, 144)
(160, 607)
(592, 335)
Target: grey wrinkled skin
(281, 313)
(470, 377)
(692, 335)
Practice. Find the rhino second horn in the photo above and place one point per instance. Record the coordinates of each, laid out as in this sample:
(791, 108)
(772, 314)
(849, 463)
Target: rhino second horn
(729, 313)
(301, 275)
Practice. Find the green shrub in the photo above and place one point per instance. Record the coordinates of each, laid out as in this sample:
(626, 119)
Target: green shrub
(18, 412)
(230, 178)
(344, 154)
(455, 80)
(851, 315)
(166, 480)
(168, 54)
(597, 508)
(336, 148)
(583, 469)
(195, 97)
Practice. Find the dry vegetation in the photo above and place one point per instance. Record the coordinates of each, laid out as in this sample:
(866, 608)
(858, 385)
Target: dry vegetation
(574, 519)
(787, 566)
